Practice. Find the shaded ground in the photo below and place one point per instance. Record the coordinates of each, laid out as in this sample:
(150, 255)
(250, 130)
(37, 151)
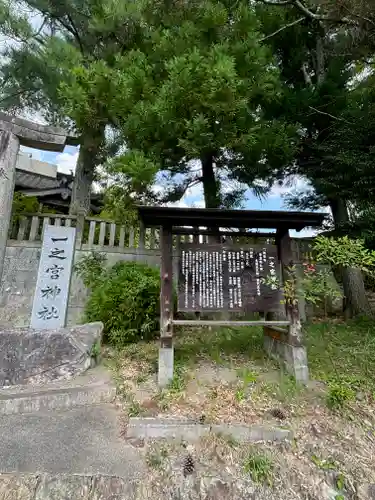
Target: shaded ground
(223, 376)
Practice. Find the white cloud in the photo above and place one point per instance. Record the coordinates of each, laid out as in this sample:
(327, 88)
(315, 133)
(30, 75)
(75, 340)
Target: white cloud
(66, 162)
(35, 154)
(292, 184)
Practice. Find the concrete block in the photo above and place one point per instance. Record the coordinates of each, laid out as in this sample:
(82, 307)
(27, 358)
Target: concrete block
(294, 359)
(91, 389)
(254, 433)
(159, 428)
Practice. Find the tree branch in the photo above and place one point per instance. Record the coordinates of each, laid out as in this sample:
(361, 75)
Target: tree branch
(338, 118)
(283, 2)
(289, 25)
(308, 13)
(74, 29)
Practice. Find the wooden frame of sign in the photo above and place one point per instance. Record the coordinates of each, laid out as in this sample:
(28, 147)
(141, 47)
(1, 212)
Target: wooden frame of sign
(217, 276)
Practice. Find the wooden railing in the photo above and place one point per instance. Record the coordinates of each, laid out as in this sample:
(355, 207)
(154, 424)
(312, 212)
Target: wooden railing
(105, 235)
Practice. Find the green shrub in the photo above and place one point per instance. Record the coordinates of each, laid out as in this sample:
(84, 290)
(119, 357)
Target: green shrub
(126, 300)
(339, 395)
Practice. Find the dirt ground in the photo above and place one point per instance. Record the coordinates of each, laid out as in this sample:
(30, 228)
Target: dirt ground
(332, 454)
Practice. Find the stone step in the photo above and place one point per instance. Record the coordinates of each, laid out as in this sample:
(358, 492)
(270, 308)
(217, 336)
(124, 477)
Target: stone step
(167, 428)
(82, 440)
(94, 387)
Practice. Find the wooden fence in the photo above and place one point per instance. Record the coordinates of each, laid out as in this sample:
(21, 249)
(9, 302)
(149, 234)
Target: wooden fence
(104, 235)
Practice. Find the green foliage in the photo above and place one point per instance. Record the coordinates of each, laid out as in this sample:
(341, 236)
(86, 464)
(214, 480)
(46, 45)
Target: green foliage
(126, 300)
(156, 455)
(323, 463)
(342, 354)
(195, 89)
(318, 286)
(90, 268)
(131, 176)
(95, 350)
(259, 467)
(339, 394)
(314, 286)
(345, 252)
(24, 204)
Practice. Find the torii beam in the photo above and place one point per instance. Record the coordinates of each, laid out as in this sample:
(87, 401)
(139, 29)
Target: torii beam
(13, 133)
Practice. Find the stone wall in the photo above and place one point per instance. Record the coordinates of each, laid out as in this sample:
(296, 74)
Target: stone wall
(20, 274)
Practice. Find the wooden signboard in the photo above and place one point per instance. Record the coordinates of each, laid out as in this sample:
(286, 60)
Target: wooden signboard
(216, 278)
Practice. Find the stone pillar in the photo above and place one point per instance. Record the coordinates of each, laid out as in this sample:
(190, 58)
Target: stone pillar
(9, 146)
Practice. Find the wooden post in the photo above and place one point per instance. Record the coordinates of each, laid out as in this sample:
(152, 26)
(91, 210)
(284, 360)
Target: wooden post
(165, 372)
(285, 251)
(293, 352)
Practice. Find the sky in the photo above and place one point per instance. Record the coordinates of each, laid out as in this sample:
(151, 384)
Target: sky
(67, 160)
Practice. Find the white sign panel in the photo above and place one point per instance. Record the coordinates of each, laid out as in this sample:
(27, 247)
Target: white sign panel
(52, 287)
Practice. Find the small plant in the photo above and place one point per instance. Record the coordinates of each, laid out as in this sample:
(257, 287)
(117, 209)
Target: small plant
(135, 409)
(339, 395)
(323, 464)
(178, 383)
(155, 457)
(141, 378)
(95, 350)
(240, 395)
(248, 377)
(259, 467)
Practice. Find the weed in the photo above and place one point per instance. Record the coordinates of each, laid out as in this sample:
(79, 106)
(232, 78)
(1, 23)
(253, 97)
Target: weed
(240, 395)
(135, 409)
(95, 350)
(340, 482)
(259, 467)
(141, 378)
(285, 390)
(155, 457)
(247, 376)
(339, 395)
(323, 464)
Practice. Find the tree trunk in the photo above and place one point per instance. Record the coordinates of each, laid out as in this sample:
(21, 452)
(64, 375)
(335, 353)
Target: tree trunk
(211, 191)
(88, 159)
(210, 185)
(356, 301)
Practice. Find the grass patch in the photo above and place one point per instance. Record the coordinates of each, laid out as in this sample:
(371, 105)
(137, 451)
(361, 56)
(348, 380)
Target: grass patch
(155, 456)
(342, 354)
(259, 467)
(219, 345)
(339, 394)
(285, 389)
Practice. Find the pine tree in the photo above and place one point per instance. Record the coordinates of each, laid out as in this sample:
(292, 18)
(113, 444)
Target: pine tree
(197, 90)
(36, 72)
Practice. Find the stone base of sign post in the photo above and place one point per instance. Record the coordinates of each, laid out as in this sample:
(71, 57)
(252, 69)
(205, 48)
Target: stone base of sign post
(165, 371)
(292, 357)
